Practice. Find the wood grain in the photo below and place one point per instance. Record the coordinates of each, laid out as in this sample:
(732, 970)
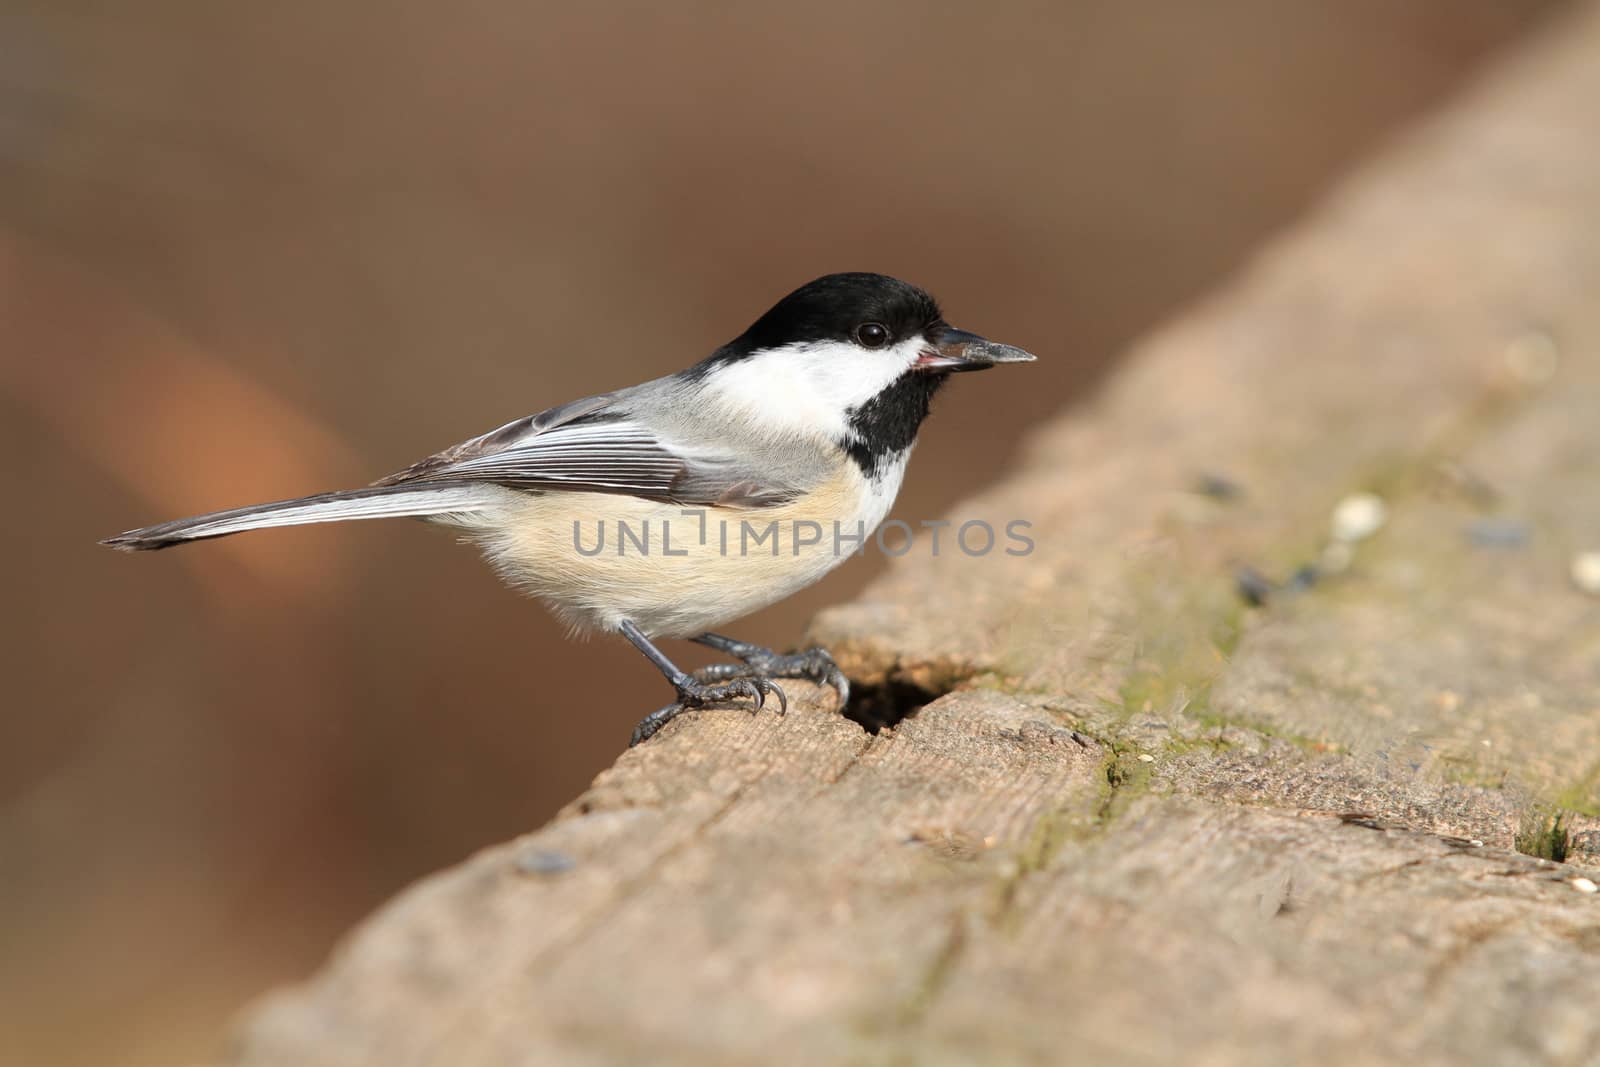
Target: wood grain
(1128, 818)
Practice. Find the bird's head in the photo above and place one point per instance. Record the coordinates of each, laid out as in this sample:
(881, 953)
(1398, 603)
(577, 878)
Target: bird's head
(851, 356)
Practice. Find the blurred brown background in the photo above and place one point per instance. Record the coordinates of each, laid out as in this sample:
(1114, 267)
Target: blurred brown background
(254, 251)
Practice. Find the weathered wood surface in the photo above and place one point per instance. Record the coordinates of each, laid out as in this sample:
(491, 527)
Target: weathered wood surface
(1289, 834)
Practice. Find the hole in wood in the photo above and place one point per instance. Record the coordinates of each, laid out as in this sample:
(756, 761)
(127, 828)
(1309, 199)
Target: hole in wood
(880, 707)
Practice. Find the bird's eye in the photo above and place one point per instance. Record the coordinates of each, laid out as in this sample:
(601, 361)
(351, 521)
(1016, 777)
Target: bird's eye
(872, 335)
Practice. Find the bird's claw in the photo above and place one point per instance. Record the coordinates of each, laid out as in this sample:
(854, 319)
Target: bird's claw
(752, 678)
(817, 666)
(694, 693)
(653, 722)
(814, 665)
(830, 675)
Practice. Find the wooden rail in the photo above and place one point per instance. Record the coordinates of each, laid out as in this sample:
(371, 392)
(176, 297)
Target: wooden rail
(1116, 813)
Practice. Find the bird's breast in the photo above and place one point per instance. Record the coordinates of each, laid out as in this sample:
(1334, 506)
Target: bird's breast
(677, 571)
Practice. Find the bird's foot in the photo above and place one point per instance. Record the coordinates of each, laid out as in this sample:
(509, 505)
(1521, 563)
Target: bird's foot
(697, 693)
(814, 665)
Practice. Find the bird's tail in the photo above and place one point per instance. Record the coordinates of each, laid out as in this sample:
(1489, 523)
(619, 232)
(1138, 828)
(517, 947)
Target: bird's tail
(379, 502)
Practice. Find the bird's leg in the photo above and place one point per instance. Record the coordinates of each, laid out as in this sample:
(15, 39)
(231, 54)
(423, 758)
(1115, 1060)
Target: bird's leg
(692, 692)
(814, 664)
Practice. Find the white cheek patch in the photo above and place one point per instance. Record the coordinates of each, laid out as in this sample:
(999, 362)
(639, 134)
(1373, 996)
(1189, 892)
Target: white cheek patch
(809, 388)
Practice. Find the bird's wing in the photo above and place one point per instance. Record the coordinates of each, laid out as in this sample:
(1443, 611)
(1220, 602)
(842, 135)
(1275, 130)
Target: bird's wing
(596, 445)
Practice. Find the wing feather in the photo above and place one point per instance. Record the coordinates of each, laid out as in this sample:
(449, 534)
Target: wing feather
(596, 445)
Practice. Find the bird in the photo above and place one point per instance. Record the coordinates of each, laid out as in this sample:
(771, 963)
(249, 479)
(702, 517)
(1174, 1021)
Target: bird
(792, 438)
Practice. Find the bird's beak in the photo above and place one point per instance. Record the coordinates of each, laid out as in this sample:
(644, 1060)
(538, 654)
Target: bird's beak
(952, 350)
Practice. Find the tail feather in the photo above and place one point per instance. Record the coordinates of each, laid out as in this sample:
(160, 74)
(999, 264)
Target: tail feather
(373, 503)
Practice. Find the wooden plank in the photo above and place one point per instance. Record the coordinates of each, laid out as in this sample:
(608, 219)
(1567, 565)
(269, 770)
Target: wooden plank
(1289, 834)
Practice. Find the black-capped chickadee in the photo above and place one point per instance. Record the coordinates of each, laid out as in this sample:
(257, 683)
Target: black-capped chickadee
(793, 438)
